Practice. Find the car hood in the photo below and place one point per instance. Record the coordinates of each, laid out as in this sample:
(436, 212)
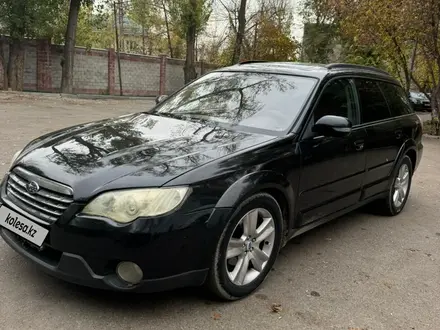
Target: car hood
(138, 150)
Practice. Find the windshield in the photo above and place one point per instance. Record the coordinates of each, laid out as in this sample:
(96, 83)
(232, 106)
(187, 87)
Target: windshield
(418, 96)
(257, 100)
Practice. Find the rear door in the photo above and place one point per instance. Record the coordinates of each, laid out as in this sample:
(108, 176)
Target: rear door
(406, 120)
(384, 136)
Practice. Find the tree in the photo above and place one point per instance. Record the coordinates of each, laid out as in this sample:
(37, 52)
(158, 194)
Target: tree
(146, 14)
(167, 25)
(384, 26)
(320, 30)
(69, 43)
(425, 32)
(22, 19)
(190, 18)
(69, 47)
(403, 35)
(274, 41)
(95, 29)
(240, 32)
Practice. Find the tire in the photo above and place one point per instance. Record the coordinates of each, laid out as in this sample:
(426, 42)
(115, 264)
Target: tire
(220, 280)
(388, 206)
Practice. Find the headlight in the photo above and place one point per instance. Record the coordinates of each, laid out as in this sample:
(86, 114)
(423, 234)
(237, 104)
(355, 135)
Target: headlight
(124, 206)
(14, 158)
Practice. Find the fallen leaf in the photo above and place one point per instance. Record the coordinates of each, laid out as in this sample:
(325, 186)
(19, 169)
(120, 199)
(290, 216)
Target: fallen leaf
(217, 316)
(276, 308)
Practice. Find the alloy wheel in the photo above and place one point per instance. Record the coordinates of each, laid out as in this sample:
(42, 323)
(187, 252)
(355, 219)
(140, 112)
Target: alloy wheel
(250, 246)
(401, 186)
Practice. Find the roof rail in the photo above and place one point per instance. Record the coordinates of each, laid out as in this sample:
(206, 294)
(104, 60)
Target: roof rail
(355, 66)
(252, 61)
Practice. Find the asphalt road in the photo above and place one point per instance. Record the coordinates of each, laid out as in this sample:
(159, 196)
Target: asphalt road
(425, 116)
(358, 272)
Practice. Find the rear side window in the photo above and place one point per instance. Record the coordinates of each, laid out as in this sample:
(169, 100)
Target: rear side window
(374, 107)
(397, 99)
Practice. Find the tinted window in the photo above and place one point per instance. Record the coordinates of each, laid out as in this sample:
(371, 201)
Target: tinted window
(338, 100)
(397, 100)
(374, 107)
(259, 100)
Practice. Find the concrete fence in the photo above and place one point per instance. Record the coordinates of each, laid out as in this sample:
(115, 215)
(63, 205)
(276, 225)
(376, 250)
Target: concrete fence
(96, 71)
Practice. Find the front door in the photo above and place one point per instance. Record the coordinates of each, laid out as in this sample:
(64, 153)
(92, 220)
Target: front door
(332, 168)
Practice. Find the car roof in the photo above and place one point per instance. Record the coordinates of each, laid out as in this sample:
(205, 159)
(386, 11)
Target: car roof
(319, 71)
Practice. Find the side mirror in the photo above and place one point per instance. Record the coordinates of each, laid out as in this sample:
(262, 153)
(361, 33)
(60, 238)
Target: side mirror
(161, 98)
(333, 126)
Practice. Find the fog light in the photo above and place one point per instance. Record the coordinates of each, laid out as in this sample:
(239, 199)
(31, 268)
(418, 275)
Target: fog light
(129, 272)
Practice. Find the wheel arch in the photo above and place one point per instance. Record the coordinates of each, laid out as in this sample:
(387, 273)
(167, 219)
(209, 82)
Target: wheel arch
(269, 182)
(409, 148)
(412, 154)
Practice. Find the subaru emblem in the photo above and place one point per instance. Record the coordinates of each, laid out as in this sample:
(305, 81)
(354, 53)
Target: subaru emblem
(32, 187)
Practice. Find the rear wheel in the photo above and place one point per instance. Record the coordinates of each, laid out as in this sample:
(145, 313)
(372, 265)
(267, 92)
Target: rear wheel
(247, 248)
(399, 190)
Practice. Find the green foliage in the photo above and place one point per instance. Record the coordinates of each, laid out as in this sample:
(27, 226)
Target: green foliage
(223, 58)
(146, 13)
(318, 41)
(94, 29)
(29, 18)
(274, 42)
(183, 15)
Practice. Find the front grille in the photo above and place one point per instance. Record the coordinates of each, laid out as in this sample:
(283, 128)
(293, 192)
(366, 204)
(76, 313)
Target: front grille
(47, 204)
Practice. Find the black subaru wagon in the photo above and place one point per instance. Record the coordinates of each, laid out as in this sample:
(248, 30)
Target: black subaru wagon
(208, 186)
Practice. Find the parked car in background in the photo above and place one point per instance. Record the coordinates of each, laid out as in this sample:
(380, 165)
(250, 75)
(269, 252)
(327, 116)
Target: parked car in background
(208, 186)
(419, 101)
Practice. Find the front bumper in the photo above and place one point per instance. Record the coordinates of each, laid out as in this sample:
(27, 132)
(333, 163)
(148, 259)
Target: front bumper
(422, 107)
(174, 251)
(75, 269)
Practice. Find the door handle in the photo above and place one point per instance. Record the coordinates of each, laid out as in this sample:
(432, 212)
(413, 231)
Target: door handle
(399, 134)
(359, 145)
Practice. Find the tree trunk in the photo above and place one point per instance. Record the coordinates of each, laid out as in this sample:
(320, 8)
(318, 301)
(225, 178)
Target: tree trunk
(3, 62)
(69, 48)
(15, 69)
(144, 50)
(240, 32)
(121, 26)
(254, 46)
(167, 25)
(189, 69)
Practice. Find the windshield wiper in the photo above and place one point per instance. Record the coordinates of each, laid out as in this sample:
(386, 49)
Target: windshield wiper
(184, 115)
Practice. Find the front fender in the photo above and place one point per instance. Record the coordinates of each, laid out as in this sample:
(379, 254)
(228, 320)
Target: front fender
(256, 182)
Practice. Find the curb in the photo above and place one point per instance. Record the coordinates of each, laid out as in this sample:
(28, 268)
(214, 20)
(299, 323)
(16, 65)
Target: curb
(105, 97)
(432, 137)
(81, 96)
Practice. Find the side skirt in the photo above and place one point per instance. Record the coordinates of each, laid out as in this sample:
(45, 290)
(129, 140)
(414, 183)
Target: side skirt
(301, 230)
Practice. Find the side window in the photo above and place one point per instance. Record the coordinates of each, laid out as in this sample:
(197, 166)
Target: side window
(397, 99)
(374, 107)
(337, 99)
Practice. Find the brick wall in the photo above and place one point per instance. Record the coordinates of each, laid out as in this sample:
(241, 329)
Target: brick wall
(96, 71)
(140, 75)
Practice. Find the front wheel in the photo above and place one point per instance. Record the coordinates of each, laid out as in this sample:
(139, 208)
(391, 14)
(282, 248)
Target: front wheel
(247, 248)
